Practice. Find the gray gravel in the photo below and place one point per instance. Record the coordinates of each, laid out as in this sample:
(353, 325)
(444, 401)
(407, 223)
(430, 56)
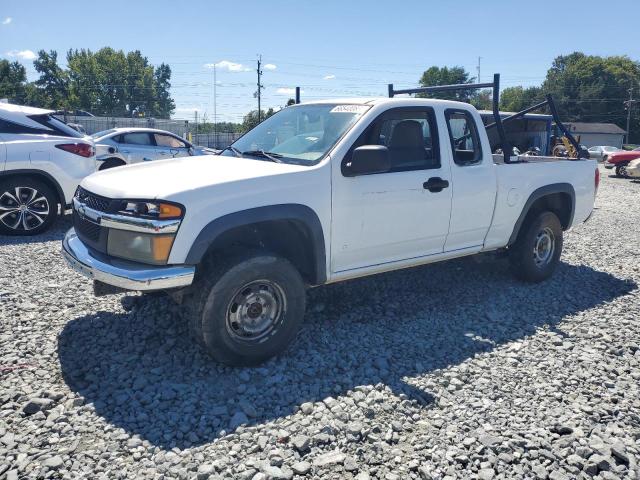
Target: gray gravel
(445, 371)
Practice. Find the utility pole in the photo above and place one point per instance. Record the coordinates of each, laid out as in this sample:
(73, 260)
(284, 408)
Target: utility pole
(259, 87)
(196, 115)
(628, 105)
(215, 112)
(479, 59)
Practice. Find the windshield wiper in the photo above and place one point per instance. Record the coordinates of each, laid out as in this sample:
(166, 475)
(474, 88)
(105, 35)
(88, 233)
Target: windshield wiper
(274, 157)
(233, 149)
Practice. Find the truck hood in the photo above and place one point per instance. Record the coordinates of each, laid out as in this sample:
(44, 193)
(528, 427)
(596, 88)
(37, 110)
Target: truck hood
(162, 179)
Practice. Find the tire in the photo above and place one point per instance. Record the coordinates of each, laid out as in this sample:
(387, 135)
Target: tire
(248, 308)
(28, 206)
(621, 170)
(111, 163)
(536, 253)
(604, 159)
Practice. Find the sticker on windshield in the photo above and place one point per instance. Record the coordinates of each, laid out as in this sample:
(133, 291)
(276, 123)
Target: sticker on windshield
(359, 109)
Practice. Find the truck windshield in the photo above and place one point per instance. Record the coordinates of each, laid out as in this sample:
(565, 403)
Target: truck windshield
(301, 134)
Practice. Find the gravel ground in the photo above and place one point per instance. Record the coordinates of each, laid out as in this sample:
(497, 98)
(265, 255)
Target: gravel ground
(445, 371)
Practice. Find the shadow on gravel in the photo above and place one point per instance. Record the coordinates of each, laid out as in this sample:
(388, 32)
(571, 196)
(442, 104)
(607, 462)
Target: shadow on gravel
(142, 373)
(56, 233)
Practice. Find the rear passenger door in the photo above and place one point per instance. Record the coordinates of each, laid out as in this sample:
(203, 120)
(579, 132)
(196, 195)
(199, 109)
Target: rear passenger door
(137, 147)
(474, 180)
(388, 217)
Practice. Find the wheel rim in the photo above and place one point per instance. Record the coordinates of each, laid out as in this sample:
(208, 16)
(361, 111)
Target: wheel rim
(24, 208)
(544, 247)
(256, 311)
(623, 171)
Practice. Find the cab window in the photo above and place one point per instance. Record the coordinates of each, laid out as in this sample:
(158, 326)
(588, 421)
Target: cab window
(409, 133)
(463, 134)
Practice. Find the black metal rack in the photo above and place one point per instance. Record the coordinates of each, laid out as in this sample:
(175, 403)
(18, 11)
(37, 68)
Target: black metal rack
(498, 121)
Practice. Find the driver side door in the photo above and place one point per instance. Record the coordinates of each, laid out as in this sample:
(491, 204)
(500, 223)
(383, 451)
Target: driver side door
(388, 217)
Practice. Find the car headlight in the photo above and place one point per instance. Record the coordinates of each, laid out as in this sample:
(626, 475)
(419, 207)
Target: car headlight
(160, 210)
(140, 247)
(144, 231)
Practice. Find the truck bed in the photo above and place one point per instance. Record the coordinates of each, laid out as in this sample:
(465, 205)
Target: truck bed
(498, 159)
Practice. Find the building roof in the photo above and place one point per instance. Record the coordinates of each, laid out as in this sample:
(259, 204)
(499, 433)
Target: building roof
(583, 127)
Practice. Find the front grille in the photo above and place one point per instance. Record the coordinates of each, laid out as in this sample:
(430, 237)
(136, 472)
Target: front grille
(92, 200)
(87, 229)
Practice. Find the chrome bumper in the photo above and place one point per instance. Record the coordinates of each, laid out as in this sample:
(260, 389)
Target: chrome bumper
(123, 273)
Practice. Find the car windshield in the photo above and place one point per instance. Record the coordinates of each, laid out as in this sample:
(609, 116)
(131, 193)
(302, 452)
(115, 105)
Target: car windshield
(101, 134)
(301, 134)
(610, 149)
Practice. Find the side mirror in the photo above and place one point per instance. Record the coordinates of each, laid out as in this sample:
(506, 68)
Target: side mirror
(368, 159)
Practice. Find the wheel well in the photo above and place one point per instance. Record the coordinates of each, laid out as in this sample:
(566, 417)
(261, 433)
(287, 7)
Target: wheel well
(111, 162)
(40, 176)
(290, 239)
(559, 203)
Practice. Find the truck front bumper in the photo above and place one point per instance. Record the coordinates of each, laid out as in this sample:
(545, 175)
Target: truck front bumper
(123, 273)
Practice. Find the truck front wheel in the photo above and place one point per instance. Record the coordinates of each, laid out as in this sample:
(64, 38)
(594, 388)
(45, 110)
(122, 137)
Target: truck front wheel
(247, 308)
(536, 253)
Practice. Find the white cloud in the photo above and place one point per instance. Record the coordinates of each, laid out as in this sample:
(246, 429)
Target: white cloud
(227, 65)
(270, 66)
(287, 91)
(329, 77)
(23, 54)
(7, 21)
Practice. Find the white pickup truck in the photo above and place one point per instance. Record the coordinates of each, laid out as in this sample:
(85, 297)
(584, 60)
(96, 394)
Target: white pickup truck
(319, 193)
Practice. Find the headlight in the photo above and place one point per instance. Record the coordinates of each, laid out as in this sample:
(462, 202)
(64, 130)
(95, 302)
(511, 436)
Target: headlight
(140, 247)
(143, 231)
(159, 210)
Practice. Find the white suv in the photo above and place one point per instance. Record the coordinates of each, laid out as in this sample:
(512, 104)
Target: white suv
(42, 161)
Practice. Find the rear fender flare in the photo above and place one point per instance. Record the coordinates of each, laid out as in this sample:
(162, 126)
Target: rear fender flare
(537, 195)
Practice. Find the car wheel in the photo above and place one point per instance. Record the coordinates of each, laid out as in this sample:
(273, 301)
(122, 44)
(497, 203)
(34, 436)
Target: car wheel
(247, 308)
(536, 253)
(27, 206)
(621, 171)
(604, 158)
(111, 163)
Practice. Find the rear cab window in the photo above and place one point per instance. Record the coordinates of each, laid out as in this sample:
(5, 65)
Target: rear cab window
(463, 134)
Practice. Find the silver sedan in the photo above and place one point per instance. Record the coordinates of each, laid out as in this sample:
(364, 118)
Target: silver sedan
(600, 153)
(123, 146)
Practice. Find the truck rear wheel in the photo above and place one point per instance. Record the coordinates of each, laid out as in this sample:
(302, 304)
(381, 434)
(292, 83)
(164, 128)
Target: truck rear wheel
(536, 253)
(247, 308)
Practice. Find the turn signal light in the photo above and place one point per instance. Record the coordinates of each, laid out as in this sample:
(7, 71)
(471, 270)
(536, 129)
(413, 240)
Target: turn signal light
(169, 211)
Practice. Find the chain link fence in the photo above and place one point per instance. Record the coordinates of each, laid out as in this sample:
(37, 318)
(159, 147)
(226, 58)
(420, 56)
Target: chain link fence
(182, 128)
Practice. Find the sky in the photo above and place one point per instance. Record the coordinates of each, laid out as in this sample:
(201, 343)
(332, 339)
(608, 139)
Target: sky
(329, 48)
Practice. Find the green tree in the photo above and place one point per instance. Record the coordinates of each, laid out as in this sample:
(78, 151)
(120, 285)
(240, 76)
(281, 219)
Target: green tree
(514, 99)
(591, 88)
(112, 82)
(52, 88)
(250, 120)
(164, 105)
(13, 81)
(447, 76)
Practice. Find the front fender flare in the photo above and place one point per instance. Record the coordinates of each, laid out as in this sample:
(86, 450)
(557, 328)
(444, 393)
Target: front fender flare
(288, 211)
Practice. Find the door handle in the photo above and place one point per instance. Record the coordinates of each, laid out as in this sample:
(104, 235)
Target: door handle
(435, 184)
